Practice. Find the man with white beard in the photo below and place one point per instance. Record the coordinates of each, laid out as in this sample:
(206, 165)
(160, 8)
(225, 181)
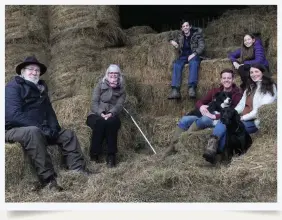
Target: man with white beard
(31, 121)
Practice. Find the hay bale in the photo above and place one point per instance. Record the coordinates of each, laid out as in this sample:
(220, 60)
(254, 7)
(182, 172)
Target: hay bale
(97, 26)
(146, 63)
(273, 66)
(159, 129)
(267, 115)
(214, 53)
(28, 22)
(14, 164)
(139, 30)
(150, 39)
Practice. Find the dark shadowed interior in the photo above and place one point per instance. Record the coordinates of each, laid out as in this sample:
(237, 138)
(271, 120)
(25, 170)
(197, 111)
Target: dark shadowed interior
(168, 17)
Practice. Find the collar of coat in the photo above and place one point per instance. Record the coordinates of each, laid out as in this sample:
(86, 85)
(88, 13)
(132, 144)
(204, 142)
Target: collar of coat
(22, 81)
(194, 30)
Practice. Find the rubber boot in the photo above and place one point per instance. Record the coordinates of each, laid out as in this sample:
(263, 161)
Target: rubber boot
(178, 131)
(193, 127)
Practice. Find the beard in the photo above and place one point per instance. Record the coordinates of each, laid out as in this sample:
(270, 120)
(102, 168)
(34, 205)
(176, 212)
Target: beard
(31, 79)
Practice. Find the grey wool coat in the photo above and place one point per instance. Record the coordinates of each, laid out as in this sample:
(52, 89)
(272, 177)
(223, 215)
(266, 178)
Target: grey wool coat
(107, 99)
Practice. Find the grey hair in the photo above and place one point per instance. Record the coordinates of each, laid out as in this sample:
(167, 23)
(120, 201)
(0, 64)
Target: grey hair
(113, 68)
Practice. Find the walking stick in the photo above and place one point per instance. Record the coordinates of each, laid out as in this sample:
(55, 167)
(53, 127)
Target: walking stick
(140, 130)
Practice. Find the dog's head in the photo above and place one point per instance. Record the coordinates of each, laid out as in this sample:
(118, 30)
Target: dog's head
(229, 116)
(223, 98)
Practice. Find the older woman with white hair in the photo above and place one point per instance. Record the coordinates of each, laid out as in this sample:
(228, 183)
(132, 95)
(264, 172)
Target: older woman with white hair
(107, 102)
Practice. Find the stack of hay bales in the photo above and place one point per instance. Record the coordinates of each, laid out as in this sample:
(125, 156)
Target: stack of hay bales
(26, 34)
(77, 35)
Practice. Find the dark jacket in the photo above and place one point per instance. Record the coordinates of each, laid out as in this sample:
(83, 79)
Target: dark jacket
(197, 42)
(236, 97)
(259, 55)
(107, 99)
(25, 105)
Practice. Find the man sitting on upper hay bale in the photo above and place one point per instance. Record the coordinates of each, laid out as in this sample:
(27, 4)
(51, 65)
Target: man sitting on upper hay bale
(191, 123)
(31, 121)
(190, 44)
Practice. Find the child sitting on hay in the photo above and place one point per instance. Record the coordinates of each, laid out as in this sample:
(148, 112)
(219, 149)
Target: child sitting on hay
(251, 52)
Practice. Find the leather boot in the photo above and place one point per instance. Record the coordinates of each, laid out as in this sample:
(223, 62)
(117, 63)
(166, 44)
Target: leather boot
(175, 93)
(211, 149)
(51, 185)
(111, 160)
(178, 131)
(96, 158)
(193, 127)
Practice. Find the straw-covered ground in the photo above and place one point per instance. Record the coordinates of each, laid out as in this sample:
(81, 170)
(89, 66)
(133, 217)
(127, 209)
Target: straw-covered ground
(82, 42)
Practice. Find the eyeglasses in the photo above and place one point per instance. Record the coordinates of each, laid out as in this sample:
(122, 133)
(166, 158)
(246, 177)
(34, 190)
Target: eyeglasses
(37, 71)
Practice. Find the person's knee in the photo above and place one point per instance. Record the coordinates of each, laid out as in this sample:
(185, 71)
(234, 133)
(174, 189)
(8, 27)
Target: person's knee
(194, 61)
(114, 123)
(178, 63)
(69, 134)
(33, 131)
(203, 122)
(184, 122)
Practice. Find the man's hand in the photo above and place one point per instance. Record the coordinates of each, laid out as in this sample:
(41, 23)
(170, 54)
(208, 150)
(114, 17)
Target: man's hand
(191, 57)
(204, 109)
(174, 43)
(205, 112)
(49, 133)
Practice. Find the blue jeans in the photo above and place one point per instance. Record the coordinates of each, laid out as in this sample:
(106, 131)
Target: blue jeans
(220, 132)
(202, 122)
(178, 66)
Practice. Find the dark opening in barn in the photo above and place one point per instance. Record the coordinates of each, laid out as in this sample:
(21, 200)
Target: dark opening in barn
(168, 17)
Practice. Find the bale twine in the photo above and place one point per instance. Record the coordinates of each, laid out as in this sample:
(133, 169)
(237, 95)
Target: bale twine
(27, 22)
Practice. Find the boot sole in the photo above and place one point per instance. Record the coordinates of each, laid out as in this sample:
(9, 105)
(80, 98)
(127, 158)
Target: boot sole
(209, 158)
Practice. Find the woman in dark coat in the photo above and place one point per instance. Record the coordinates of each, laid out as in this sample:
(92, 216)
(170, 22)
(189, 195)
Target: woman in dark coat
(251, 52)
(107, 102)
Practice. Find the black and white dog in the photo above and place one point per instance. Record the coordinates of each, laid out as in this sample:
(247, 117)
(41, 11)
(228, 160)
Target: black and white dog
(221, 100)
(238, 140)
